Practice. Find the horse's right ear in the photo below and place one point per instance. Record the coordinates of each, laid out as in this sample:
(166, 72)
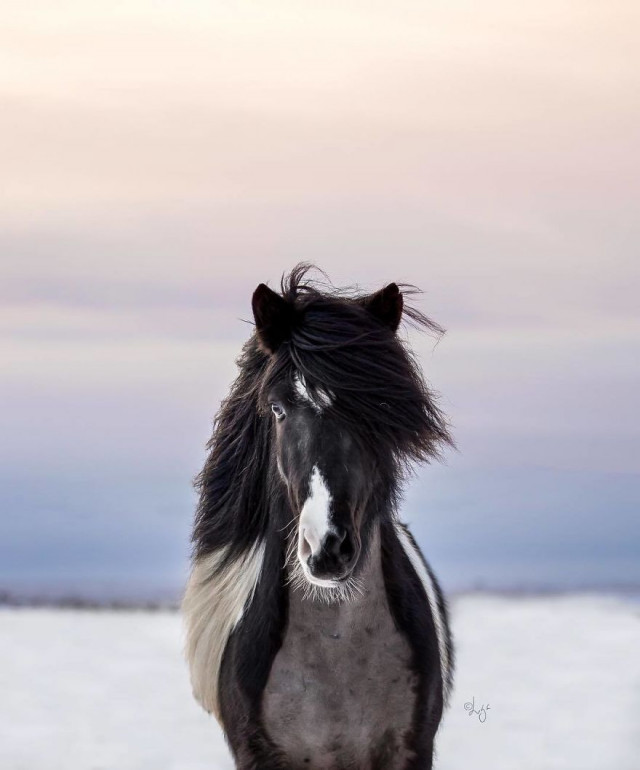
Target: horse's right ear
(273, 316)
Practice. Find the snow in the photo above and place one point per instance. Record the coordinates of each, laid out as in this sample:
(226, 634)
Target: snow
(98, 690)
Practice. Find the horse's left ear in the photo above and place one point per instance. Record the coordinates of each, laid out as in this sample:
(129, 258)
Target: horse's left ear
(386, 305)
(273, 316)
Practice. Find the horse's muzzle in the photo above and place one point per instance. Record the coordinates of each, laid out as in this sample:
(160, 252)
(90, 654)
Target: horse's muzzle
(336, 557)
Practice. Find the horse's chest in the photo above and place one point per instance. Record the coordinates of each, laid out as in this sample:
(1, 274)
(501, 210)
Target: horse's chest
(341, 693)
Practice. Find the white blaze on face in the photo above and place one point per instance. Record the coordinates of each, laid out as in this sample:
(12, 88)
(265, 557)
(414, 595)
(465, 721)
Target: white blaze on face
(314, 522)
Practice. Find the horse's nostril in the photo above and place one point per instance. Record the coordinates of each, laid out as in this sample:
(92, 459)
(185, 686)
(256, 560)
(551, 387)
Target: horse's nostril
(332, 543)
(347, 549)
(340, 546)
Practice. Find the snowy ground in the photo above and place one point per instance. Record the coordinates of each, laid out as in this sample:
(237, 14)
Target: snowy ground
(108, 690)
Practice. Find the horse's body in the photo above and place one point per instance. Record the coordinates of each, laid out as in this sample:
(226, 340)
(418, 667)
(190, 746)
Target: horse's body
(316, 632)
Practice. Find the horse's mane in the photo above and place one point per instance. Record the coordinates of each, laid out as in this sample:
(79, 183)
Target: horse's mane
(338, 347)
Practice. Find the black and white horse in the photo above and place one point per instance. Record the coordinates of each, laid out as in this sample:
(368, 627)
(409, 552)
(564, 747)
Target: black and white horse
(316, 632)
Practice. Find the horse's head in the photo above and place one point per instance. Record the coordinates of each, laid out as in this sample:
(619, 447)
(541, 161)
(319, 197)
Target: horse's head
(328, 474)
(348, 408)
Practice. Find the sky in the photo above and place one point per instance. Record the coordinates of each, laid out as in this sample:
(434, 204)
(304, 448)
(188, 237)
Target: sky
(161, 159)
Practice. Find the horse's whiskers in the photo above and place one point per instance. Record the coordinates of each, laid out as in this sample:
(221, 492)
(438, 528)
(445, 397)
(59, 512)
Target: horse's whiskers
(288, 527)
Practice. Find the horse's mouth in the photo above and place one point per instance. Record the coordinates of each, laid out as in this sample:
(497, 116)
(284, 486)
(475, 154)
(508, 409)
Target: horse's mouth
(326, 581)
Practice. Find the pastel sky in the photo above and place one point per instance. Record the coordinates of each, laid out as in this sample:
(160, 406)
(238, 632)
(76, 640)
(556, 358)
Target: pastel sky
(159, 159)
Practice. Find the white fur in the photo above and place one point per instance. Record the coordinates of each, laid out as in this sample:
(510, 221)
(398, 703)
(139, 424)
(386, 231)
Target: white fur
(212, 607)
(314, 524)
(323, 399)
(418, 565)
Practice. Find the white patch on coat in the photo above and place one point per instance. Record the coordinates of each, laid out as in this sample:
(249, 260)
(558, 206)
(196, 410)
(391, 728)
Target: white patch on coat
(212, 607)
(438, 621)
(323, 398)
(314, 524)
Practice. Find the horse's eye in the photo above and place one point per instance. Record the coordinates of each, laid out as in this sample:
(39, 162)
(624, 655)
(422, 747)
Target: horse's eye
(278, 411)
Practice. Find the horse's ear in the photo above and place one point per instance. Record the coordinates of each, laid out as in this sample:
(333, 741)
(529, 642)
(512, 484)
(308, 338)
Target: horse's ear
(273, 316)
(386, 305)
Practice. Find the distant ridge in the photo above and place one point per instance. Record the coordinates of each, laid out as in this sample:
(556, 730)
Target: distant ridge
(9, 599)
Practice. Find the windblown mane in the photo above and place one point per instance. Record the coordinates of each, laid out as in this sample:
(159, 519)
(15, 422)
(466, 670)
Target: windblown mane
(338, 347)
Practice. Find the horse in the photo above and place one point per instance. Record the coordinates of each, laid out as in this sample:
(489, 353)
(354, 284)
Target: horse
(316, 632)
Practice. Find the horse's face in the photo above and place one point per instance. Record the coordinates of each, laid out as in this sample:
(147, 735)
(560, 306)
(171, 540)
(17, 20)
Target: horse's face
(328, 475)
(329, 468)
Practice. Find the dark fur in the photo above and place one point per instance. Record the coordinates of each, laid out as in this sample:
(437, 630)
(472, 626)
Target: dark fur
(344, 343)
